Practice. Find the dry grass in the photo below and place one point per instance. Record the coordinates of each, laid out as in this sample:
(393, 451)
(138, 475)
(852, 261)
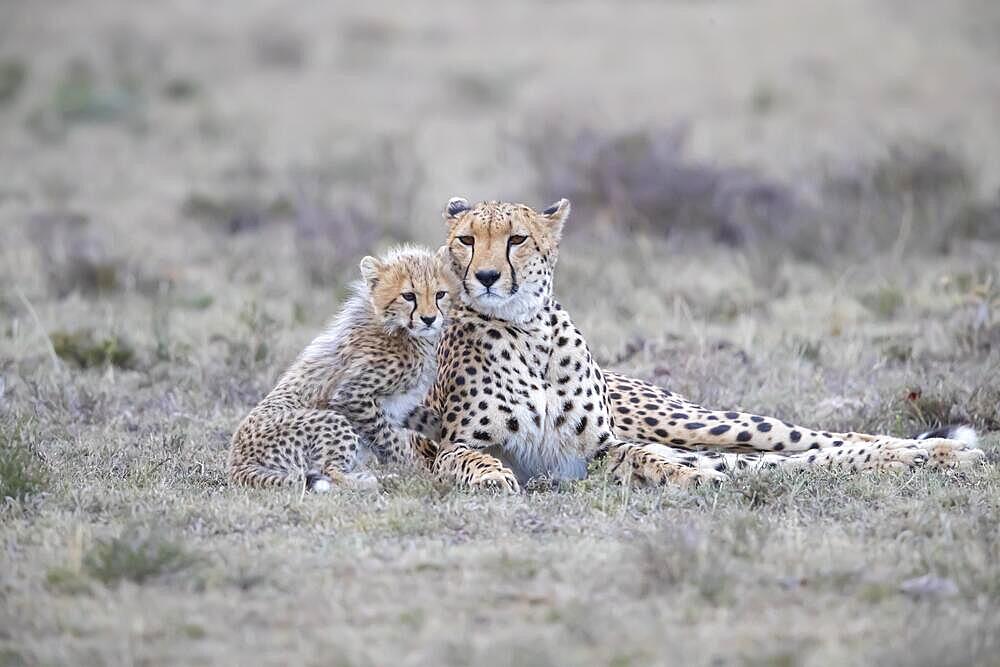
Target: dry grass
(247, 161)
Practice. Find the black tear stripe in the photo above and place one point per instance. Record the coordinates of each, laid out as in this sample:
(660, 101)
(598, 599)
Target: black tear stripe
(465, 276)
(416, 299)
(513, 273)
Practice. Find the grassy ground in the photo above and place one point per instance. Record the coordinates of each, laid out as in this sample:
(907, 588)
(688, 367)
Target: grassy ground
(186, 190)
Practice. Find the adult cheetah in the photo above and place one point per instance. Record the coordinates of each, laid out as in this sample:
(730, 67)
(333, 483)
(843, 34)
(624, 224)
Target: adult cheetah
(519, 394)
(359, 384)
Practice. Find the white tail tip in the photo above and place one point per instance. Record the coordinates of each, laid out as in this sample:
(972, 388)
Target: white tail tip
(964, 434)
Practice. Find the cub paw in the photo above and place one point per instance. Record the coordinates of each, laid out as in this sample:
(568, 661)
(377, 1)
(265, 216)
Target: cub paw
(361, 479)
(496, 481)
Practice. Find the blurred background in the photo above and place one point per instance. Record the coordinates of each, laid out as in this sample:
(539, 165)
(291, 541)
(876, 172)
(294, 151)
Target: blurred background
(194, 185)
(791, 206)
(176, 170)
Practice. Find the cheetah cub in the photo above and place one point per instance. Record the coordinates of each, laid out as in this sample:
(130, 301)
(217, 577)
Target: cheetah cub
(357, 389)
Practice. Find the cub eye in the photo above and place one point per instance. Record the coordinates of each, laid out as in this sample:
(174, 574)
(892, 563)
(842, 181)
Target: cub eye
(442, 294)
(517, 240)
(467, 240)
(409, 296)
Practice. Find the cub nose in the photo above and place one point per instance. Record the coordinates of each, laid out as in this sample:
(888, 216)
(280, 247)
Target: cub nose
(428, 319)
(488, 277)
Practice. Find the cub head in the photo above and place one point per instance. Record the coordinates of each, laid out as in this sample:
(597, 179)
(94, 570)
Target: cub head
(410, 289)
(504, 254)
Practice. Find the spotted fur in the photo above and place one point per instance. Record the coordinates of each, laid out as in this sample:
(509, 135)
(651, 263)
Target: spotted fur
(520, 395)
(358, 387)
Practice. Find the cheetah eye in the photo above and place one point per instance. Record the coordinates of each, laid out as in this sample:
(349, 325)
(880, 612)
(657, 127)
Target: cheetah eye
(409, 296)
(517, 239)
(467, 240)
(442, 294)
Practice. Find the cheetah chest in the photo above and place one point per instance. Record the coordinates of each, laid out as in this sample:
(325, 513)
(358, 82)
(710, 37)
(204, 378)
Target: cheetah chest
(550, 428)
(398, 406)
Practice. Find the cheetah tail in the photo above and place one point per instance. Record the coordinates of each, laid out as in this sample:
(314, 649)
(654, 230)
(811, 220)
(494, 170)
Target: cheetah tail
(264, 476)
(960, 432)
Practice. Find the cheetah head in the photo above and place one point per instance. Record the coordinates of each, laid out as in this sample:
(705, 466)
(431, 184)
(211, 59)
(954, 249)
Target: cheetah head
(504, 254)
(410, 289)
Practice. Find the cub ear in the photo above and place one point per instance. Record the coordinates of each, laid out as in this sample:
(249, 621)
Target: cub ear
(443, 256)
(456, 205)
(370, 268)
(444, 260)
(556, 215)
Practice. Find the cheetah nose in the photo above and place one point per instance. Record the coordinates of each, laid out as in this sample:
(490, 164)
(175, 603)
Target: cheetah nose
(488, 277)
(428, 319)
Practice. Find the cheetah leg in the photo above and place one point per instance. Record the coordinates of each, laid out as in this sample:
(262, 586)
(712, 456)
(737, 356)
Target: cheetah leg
(886, 453)
(426, 449)
(869, 454)
(389, 442)
(400, 445)
(894, 454)
(474, 469)
(315, 448)
(648, 413)
(724, 462)
(425, 421)
(424, 425)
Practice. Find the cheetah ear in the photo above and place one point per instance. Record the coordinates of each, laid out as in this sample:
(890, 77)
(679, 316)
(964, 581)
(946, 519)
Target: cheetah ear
(370, 268)
(556, 215)
(456, 205)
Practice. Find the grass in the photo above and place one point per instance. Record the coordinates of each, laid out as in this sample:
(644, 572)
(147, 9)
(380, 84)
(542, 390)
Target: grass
(135, 557)
(137, 540)
(22, 473)
(84, 349)
(247, 162)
